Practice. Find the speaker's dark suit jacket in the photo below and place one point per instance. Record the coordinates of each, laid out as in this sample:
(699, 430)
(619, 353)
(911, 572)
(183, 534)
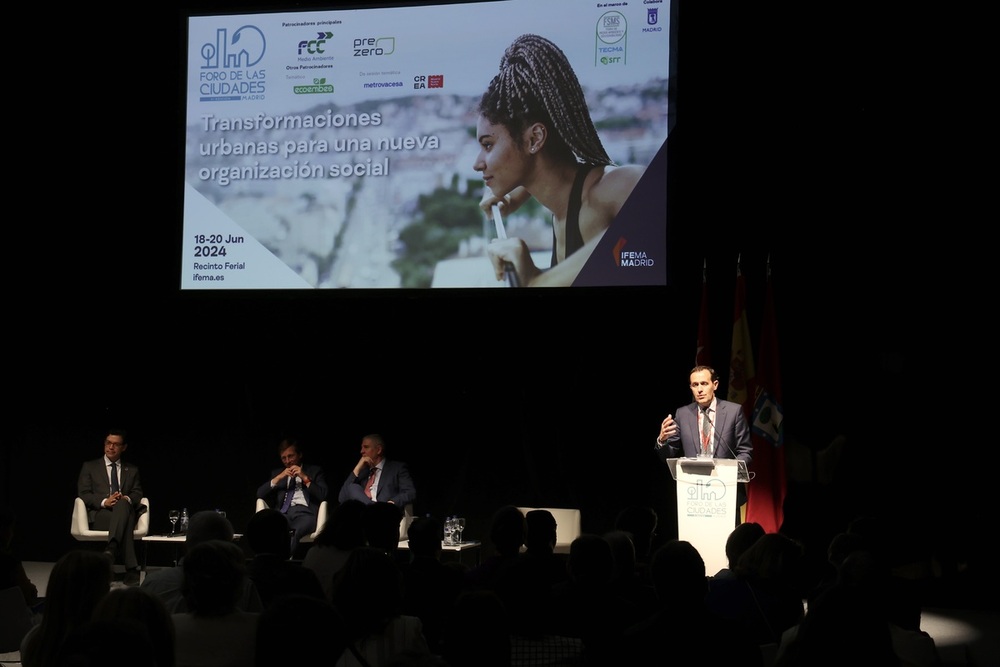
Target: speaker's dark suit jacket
(732, 436)
(315, 493)
(93, 486)
(394, 485)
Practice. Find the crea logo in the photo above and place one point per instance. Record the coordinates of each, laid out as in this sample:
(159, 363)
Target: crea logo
(422, 81)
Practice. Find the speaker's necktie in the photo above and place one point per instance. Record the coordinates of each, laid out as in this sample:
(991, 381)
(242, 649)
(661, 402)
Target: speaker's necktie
(114, 477)
(288, 495)
(706, 433)
(371, 482)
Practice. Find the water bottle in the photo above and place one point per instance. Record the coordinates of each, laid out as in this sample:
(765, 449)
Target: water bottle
(449, 529)
(184, 520)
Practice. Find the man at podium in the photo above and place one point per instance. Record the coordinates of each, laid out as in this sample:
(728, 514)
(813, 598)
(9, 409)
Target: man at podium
(708, 427)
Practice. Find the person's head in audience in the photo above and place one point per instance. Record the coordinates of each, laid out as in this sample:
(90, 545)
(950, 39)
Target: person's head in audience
(344, 527)
(78, 581)
(507, 530)
(267, 533)
(213, 577)
(678, 574)
(591, 562)
(425, 537)
(304, 616)
(208, 525)
(641, 521)
(740, 539)
(539, 531)
(479, 636)
(139, 605)
(623, 551)
(773, 557)
(847, 623)
(381, 525)
(368, 591)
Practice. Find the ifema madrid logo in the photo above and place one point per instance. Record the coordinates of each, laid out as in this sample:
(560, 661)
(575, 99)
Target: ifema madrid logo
(630, 258)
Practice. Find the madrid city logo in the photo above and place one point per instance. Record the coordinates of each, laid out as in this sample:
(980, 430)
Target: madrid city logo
(229, 69)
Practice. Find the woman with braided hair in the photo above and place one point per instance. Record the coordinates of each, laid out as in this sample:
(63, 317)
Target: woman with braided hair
(537, 139)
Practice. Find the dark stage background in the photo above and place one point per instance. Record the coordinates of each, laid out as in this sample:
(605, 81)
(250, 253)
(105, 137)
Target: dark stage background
(540, 399)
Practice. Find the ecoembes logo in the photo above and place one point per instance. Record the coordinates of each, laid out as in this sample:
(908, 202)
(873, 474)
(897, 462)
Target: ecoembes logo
(318, 86)
(229, 71)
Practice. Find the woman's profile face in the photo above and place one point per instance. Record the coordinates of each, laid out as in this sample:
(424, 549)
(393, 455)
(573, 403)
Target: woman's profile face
(500, 159)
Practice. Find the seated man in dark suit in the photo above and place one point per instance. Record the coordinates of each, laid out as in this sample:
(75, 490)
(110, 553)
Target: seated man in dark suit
(295, 490)
(111, 490)
(376, 478)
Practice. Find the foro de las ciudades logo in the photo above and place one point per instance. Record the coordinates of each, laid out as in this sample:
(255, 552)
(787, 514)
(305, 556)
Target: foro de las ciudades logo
(229, 71)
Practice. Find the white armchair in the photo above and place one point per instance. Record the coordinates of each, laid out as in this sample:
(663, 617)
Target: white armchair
(320, 518)
(81, 530)
(321, 514)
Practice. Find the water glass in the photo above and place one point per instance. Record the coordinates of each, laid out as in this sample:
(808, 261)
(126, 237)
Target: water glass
(173, 515)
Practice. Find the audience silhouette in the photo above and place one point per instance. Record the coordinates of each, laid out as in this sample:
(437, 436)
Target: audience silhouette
(138, 605)
(168, 582)
(302, 629)
(765, 594)
(506, 537)
(76, 584)
(380, 522)
(739, 540)
(368, 592)
(271, 568)
(641, 522)
(523, 605)
(430, 587)
(215, 631)
(344, 531)
(683, 618)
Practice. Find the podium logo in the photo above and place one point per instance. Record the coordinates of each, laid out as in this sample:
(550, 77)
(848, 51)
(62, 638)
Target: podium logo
(710, 491)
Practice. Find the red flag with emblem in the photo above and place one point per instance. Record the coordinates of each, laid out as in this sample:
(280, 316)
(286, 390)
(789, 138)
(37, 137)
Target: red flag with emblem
(766, 493)
(741, 372)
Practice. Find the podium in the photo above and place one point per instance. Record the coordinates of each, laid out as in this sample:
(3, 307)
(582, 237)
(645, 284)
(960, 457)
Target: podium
(706, 504)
